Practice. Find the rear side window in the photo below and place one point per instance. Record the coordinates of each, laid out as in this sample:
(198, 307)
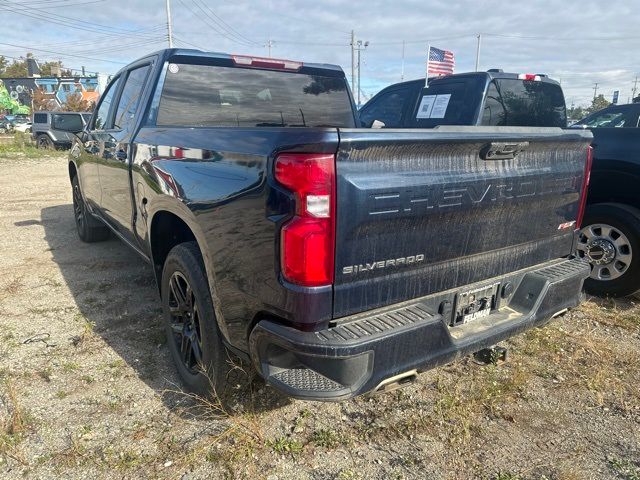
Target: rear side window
(387, 108)
(130, 97)
(39, 118)
(518, 103)
(214, 96)
(448, 102)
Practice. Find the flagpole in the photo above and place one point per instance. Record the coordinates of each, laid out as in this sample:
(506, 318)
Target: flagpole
(426, 80)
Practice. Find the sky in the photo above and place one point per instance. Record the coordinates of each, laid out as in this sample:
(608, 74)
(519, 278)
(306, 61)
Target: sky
(579, 42)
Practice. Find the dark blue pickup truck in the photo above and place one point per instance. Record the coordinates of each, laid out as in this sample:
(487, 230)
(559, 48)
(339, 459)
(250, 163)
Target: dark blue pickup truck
(610, 238)
(338, 260)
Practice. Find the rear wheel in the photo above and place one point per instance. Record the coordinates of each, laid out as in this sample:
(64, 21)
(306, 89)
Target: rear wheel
(43, 141)
(193, 336)
(89, 229)
(610, 240)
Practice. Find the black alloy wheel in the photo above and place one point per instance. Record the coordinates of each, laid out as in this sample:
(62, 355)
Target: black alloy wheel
(185, 322)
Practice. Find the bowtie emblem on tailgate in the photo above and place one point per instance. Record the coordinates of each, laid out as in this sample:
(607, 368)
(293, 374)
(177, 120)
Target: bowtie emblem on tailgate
(502, 150)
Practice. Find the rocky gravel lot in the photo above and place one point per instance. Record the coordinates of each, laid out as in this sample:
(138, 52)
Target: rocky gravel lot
(87, 389)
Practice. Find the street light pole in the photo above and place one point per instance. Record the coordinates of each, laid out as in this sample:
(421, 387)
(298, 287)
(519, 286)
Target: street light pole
(169, 32)
(360, 48)
(478, 51)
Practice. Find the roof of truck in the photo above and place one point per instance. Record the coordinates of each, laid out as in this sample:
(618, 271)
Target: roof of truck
(166, 53)
(488, 74)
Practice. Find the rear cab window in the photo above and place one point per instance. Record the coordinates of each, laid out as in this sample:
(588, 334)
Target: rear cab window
(209, 95)
(524, 103)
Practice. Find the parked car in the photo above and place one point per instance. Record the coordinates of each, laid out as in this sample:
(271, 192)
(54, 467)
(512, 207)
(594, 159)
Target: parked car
(610, 238)
(338, 260)
(490, 98)
(21, 123)
(46, 136)
(6, 126)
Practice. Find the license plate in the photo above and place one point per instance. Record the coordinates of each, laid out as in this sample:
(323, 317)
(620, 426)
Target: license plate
(475, 304)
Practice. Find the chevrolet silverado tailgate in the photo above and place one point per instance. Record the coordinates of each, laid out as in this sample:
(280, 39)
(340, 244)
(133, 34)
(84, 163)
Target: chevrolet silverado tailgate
(422, 211)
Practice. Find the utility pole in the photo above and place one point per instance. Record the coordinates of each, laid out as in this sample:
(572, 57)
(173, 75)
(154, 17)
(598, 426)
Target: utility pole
(478, 51)
(353, 64)
(169, 32)
(595, 90)
(269, 45)
(402, 71)
(360, 48)
(635, 89)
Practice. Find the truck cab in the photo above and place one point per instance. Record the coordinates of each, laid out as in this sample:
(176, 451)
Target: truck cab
(491, 98)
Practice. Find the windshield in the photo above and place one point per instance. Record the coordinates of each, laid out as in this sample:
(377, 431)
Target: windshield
(616, 117)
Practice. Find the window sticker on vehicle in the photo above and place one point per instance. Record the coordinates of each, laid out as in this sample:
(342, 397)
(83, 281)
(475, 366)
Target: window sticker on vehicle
(440, 106)
(424, 111)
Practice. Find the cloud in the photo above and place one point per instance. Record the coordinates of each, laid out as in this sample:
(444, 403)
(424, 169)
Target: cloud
(564, 39)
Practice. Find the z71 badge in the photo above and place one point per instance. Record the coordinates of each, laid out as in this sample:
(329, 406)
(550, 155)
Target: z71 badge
(381, 264)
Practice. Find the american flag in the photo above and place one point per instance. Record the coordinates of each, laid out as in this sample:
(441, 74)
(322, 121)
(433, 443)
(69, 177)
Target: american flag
(441, 62)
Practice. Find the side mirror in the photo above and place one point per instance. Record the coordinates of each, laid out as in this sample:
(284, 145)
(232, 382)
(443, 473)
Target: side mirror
(377, 124)
(67, 123)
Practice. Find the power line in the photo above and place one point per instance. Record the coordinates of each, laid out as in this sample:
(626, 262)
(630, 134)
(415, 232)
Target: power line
(75, 23)
(63, 54)
(211, 22)
(225, 25)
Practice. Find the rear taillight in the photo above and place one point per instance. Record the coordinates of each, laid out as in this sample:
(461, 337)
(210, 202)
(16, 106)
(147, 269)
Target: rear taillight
(307, 240)
(585, 187)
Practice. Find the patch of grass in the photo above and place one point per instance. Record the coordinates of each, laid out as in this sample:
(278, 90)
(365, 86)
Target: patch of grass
(88, 379)
(23, 147)
(60, 394)
(613, 312)
(625, 469)
(348, 474)
(285, 445)
(15, 421)
(326, 438)
(70, 366)
(506, 476)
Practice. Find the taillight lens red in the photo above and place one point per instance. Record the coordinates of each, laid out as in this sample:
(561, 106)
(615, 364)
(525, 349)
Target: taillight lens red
(585, 187)
(307, 240)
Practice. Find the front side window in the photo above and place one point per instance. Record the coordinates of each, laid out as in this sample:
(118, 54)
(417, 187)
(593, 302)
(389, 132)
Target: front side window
(215, 96)
(130, 98)
(102, 115)
(387, 108)
(39, 118)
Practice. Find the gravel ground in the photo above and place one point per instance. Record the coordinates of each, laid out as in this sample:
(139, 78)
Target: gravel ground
(87, 389)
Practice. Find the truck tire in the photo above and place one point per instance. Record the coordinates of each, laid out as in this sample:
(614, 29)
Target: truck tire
(610, 240)
(193, 336)
(43, 141)
(89, 228)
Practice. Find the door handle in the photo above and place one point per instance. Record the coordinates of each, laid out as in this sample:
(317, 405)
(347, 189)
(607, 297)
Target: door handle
(121, 155)
(502, 150)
